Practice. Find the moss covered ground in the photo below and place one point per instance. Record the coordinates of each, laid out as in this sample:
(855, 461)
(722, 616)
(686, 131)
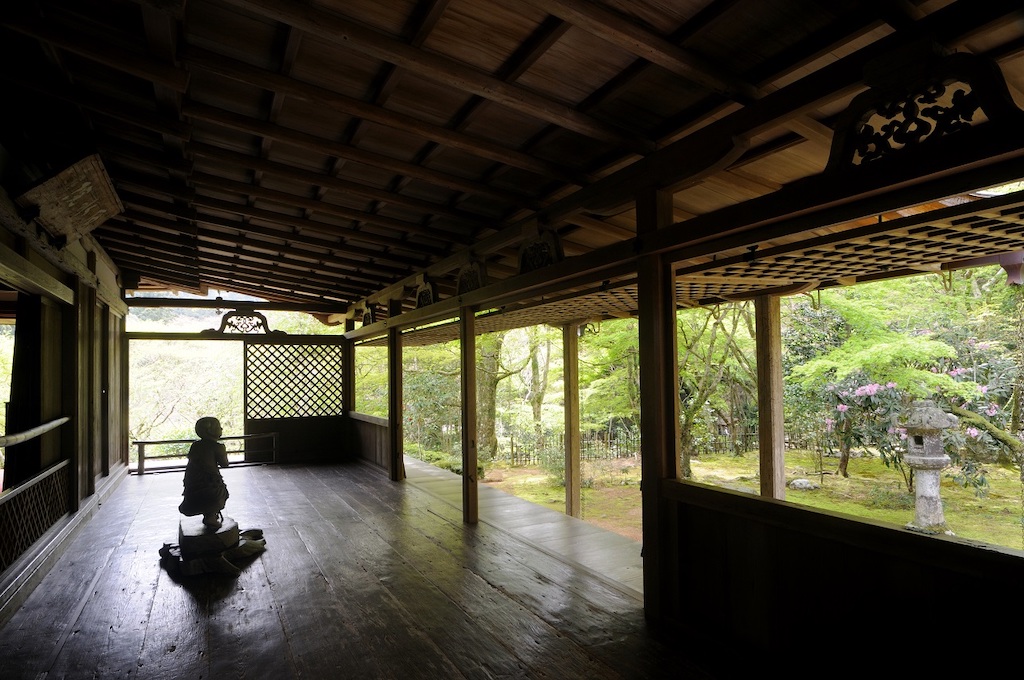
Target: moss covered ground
(611, 492)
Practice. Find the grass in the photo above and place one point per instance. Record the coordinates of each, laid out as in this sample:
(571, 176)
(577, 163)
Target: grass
(611, 492)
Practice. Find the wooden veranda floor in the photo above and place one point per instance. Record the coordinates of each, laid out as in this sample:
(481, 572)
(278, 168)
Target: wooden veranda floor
(607, 554)
(362, 578)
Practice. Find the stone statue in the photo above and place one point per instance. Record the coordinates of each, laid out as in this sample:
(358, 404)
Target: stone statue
(205, 492)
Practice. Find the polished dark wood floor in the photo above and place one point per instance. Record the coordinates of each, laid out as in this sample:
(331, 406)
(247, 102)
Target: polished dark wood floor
(362, 578)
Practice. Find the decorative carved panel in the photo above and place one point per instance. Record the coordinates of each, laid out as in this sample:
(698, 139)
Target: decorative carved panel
(540, 252)
(426, 294)
(244, 321)
(917, 99)
(471, 276)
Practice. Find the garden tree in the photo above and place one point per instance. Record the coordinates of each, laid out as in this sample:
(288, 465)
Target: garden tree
(432, 396)
(809, 329)
(174, 383)
(491, 370)
(371, 378)
(610, 376)
(893, 355)
(301, 323)
(714, 343)
(536, 375)
(1013, 307)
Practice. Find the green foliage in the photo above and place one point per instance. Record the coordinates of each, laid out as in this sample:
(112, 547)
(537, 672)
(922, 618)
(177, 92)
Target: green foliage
(883, 356)
(893, 497)
(300, 323)
(431, 395)
(441, 459)
(371, 376)
(944, 338)
(174, 383)
(609, 374)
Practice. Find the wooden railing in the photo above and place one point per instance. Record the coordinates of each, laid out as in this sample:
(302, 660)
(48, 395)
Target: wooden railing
(141, 445)
(12, 439)
(370, 438)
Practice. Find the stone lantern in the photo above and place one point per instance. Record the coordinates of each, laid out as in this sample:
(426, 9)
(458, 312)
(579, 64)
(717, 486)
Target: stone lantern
(925, 455)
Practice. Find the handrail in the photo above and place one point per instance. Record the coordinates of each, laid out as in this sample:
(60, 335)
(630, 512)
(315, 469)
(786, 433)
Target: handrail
(12, 439)
(141, 470)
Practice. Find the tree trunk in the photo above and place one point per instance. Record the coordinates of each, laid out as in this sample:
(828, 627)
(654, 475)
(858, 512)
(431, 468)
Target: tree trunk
(844, 447)
(844, 459)
(488, 377)
(686, 446)
(538, 382)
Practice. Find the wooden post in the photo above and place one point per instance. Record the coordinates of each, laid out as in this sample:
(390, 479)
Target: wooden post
(770, 421)
(348, 372)
(124, 387)
(348, 385)
(659, 405)
(571, 381)
(467, 337)
(396, 432)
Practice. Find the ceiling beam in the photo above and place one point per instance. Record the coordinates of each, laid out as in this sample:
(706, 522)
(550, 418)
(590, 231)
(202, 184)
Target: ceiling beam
(347, 187)
(94, 48)
(621, 31)
(310, 142)
(335, 29)
(313, 94)
(438, 233)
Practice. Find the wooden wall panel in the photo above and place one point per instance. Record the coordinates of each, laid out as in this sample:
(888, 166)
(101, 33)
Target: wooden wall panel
(765, 575)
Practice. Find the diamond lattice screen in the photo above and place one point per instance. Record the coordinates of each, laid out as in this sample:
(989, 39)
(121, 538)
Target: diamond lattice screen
(30, 512)
(292, 381)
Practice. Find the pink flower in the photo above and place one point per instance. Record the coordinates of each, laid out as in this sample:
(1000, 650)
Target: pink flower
(868, 390)
(891, 385)
(992, 409)
(983, 388)
(973, 432)
(842, 408)
(829, 424)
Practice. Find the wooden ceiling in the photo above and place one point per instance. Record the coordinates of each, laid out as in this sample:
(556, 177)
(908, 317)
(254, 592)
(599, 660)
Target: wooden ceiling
(323, 153)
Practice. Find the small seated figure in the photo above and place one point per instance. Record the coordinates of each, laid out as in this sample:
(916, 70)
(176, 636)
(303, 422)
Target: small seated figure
(205, 492)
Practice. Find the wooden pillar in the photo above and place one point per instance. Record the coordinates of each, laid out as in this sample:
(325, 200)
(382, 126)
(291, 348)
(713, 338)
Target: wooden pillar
(571, 382)
(126, 361)
(348, 371)
(770, 422)
(396, 431)
(659, 407)
(467, 345)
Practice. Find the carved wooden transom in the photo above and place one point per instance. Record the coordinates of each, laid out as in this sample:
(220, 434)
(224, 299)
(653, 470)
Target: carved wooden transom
(246, 322)
(919, 102)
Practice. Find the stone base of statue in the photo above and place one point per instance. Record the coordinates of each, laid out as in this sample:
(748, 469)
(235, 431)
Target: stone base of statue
(198, 540)
(204, 550)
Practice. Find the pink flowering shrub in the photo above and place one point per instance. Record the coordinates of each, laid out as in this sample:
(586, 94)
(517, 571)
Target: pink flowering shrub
(867, 415)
